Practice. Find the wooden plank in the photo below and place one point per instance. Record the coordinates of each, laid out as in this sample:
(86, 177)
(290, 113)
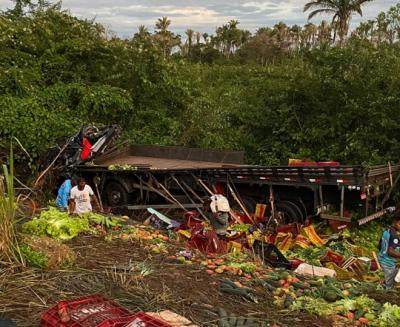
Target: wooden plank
(165, 206)
(334, 217)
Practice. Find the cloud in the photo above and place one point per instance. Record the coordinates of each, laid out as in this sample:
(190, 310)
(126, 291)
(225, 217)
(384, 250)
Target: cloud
(124, 16)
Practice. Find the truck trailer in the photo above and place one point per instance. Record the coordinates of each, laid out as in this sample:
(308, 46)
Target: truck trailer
(136, 177)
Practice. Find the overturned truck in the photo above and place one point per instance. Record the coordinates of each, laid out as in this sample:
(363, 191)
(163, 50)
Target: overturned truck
(140, 176)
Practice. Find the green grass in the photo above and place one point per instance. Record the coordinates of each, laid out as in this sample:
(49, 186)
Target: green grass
(9, 250)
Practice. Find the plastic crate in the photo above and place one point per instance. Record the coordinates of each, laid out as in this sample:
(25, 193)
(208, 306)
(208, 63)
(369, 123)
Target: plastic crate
(143, 320)
(89, 311)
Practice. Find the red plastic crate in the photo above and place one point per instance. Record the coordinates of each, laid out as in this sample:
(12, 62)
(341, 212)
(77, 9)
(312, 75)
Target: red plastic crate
(143, 320)
(90, 311)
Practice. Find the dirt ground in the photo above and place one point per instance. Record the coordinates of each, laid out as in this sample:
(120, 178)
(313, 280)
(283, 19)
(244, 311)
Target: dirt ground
(24, 294)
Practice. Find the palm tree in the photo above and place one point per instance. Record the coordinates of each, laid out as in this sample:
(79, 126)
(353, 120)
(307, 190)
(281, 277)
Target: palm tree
(163, 35)
(381, 27)
(324, 33)
(198, 38)
(163, 24)
(310, 31)
(142, 33)
(295, 36)
(206, 38)
(189, 33)
(142, 38)
(282, 33)
(342, 10)
(365, 30)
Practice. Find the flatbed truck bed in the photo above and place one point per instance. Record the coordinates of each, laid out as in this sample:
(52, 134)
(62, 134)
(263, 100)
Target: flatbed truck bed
(140, 175)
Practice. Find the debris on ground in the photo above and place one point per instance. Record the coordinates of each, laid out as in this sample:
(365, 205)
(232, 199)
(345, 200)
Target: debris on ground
(44, 252)
(291, 275)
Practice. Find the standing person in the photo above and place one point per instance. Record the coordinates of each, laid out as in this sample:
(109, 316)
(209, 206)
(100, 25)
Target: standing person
(389, 247)
(219, 217)
(63, 193)
(81, 198)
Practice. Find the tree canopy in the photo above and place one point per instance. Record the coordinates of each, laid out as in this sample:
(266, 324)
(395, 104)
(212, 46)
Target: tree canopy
(283, 91)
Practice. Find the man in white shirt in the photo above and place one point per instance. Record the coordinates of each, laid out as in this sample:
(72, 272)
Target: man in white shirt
(81, 197)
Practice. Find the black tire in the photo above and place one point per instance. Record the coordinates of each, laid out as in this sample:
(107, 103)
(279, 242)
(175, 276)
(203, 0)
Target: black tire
(116, 195)
(248, 202)
(297, 209)
(302, 207)
(288, 213)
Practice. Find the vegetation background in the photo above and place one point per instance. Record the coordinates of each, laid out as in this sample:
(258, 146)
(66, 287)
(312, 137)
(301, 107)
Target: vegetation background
(321, 92)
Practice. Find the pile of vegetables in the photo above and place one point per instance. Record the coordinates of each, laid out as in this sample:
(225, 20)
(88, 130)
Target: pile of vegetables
(142, 234)
(56, 224)
(107, 222)
(367, 236)
(46, 253)
(342, 301)
(61, 226)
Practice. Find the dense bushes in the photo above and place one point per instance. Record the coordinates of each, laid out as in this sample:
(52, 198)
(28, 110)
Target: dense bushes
(58, 72)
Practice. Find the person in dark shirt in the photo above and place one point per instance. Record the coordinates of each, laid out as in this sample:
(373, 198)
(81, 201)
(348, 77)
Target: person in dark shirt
(389, 252)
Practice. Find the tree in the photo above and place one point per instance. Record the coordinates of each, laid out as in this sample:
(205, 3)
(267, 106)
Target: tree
(166, 39)
(365, 30)
(309, 35)
(342, 10)
(206, 38)
(295, 32)
(189, 34)
(324, 33)
(142, 37)
(382, 28)
(393, 17)
(228, 38)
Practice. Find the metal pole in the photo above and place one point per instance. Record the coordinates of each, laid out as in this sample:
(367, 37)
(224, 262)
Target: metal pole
(272, 201)
(188, 196)
(342, 202)
(192, 191)
(321, 198)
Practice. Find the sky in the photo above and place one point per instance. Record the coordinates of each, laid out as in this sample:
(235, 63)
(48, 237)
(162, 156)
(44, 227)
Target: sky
(124, 16)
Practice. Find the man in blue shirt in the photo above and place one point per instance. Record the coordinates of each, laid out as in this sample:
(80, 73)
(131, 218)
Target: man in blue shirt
(64, 193)
(389, 246)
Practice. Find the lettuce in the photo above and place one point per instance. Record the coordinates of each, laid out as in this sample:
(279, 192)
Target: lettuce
(57, 225)
(390, 316)
(314, 306)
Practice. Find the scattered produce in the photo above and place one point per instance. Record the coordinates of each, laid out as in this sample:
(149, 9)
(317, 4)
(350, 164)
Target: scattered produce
(343, 301)
(56, 224)
(231, 288)
(105, 221)
(44, 252)
(122, 167)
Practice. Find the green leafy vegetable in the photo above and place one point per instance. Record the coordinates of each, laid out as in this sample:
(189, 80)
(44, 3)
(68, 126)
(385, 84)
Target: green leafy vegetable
(390, 316)
(33, 258)
(57, 225)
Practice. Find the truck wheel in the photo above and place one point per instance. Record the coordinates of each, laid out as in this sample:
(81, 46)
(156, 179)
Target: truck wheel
(288, 212)
(115, 194)
(299, 217)
(302, 207)
(248, 202)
